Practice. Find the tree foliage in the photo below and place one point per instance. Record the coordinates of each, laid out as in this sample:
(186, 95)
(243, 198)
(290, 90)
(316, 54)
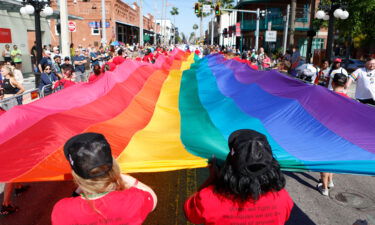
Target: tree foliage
(192, 37)
(183, 38)
(174, 11)
(361, 22)
(201, 14)
(226, 4)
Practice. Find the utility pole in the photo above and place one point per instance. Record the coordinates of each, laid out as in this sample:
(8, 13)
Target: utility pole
(165, 22)
(64, 29)
(292, 22)
(104, 33)
(140, 23)
(331, 23)
(285, 40)
(212, 28)
(257, 30)
(162, 23)
(311, 32)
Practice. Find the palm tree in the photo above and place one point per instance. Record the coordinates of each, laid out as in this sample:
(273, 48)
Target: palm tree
(195, 27)
(226, 4)
(174, 12)
(192, 37)
(183, 38)
(201, 15)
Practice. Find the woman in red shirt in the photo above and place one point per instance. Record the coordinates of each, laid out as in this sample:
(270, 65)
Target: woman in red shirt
(248, 188)
(108, 197)
(67, 80)
(96, 73)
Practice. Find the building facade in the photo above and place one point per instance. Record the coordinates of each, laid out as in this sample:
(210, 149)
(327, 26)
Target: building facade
(122, 23)
(167, 31)
(273, 19)
(17, 29)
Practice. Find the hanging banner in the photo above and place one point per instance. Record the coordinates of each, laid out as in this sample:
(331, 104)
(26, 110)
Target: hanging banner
(5, 35)
(238, 29)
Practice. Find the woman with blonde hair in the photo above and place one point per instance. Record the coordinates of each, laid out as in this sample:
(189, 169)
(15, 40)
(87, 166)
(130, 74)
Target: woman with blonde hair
(10, 84)
(108, 197)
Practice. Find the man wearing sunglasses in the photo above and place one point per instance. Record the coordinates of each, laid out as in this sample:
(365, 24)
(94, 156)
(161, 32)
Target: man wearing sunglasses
(365, 79)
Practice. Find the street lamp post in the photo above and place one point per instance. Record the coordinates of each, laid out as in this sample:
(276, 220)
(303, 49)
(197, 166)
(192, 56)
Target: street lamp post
(38, 8)
(330, 12)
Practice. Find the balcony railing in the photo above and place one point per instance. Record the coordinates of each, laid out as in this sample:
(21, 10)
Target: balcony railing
(250, 25)
(277, 24)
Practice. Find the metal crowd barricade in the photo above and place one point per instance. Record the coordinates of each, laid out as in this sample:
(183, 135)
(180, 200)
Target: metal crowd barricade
(24, 98)
(43, 92)
(48, 89)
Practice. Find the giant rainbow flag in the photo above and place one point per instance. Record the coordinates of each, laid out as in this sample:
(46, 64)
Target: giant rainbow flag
(178, 112)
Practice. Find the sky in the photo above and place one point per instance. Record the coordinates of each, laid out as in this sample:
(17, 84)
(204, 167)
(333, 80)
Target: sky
(184, 21)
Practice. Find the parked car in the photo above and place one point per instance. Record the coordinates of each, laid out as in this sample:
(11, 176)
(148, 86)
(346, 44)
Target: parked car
(352, 64)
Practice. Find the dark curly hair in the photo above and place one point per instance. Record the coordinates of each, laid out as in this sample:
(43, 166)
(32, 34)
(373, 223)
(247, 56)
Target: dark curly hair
(250, 169)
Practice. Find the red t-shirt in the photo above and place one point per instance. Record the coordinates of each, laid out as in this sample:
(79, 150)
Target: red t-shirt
(130, 206)
(255, 67)
(148, 58)
(197, 51)
(342, 94)
(118, 60)
(157, 55)
(64, 83)
(208, 207)
(93, 77)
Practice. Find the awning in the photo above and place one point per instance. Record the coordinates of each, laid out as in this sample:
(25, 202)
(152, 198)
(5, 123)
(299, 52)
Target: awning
(125, 23)
(132, 26)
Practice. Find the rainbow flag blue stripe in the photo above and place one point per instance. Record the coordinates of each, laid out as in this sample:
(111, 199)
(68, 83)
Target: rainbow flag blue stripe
(300, 121)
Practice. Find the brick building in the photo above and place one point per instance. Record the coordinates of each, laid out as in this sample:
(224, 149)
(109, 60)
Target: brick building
(122, 22)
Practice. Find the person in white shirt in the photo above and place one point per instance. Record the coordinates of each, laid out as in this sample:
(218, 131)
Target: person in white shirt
(56, 52)
(336, 68)
(365, 78)
(17, 73)
(323, 74)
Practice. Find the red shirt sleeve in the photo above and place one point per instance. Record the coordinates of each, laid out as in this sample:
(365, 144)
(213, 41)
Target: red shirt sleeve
(288, 203)
(193, 209)
(59, 215)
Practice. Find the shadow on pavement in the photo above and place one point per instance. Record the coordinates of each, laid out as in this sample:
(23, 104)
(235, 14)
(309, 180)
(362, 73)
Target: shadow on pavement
(297, 216)
(300, 180)
(309, 177)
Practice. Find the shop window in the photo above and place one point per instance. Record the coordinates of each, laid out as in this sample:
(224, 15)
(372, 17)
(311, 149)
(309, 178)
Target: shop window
(95, 31)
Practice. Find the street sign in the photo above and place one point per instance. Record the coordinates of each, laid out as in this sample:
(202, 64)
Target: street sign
(95, 24)
(238, 29)
(72, 26)
(271, 36)
(206, 8)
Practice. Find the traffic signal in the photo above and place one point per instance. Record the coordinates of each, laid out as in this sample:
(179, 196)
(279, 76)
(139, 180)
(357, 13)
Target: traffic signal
(197, 8)
(225, 31)
(217, 10)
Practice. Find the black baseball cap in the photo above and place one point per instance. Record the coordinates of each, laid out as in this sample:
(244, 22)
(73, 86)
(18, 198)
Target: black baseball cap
(250, 152)
(86, 152)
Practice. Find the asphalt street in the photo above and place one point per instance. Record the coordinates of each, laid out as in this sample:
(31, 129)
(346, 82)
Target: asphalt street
(351, 200)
